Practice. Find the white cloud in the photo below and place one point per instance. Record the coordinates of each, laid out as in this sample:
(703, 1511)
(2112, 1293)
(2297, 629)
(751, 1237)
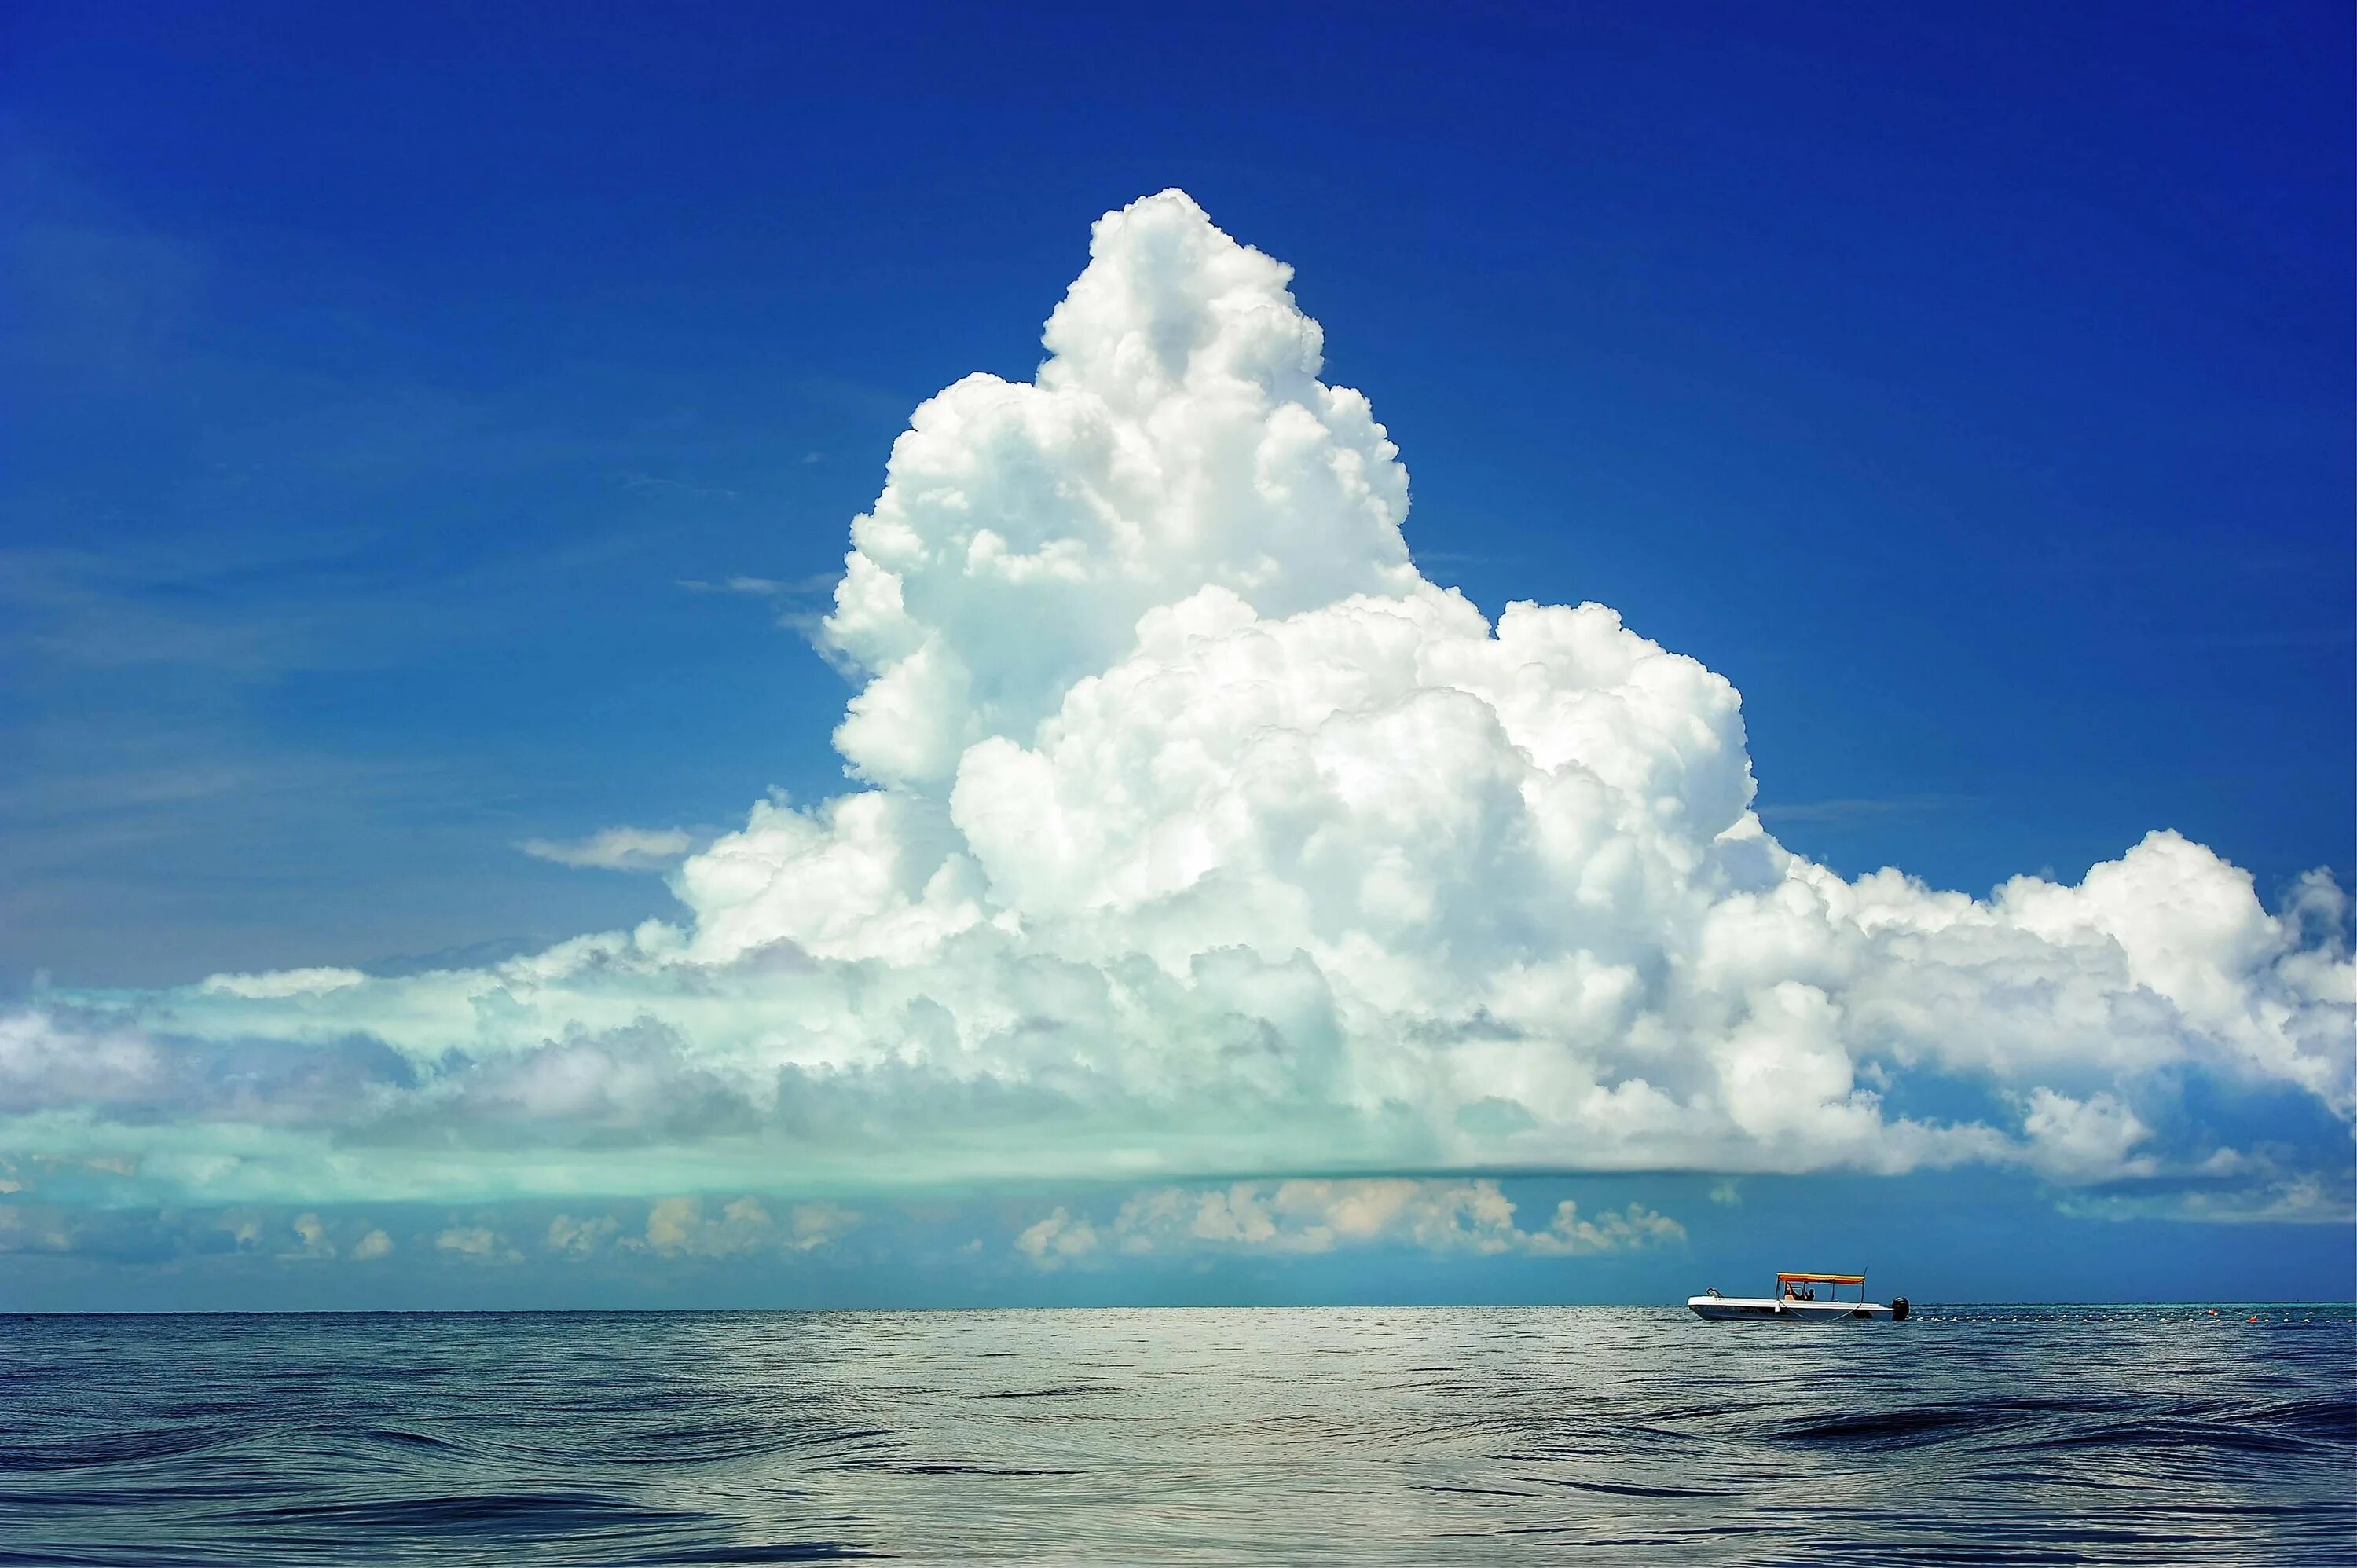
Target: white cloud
(614, 849)
(1306, 1216)
(1199, 833)
(2295, 1200)
(2082, 1139)
(311, 1236)
(1322, 1216)
(679, 1227)
(1626, 1230)
(369, 1248)
(477, 1241)
(812, 1225)
(282, 985)
(25, 1228)
(1056, 1240)
(572, 1238)
(46, 1061)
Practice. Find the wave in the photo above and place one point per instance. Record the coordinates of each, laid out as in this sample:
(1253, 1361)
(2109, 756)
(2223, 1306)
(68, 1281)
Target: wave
(1340, 1436)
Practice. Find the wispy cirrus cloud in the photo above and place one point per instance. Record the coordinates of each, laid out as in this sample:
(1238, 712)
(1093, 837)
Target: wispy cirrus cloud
(759, 587)
(1864, 807)
(615, 849)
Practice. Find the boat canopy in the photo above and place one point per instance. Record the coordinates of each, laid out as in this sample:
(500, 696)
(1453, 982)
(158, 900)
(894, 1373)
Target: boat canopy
(1821, 1279)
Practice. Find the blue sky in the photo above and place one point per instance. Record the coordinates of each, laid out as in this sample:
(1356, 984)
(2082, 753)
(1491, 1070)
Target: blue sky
(393, 396)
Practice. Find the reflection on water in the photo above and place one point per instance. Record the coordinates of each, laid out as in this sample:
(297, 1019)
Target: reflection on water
(1357, 1435)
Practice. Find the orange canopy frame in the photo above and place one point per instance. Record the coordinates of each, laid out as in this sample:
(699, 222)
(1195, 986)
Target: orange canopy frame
(1821, 1279)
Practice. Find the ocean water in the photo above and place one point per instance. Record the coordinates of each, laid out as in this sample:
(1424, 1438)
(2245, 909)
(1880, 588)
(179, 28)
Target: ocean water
(1991, 1434)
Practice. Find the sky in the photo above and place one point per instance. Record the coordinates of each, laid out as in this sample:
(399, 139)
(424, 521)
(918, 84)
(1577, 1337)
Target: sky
(469, 835)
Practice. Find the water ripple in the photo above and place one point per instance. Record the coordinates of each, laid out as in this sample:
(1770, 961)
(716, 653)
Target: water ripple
(2014, 1434)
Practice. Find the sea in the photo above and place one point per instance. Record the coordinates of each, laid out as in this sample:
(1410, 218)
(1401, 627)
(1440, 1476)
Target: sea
(1982, 1435)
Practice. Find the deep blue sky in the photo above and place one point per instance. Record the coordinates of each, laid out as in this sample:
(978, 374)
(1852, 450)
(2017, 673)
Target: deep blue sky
(1973, 391)
(1974, 388)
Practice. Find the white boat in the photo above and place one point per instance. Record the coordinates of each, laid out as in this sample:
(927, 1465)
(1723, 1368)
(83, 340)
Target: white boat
(1796, 1301)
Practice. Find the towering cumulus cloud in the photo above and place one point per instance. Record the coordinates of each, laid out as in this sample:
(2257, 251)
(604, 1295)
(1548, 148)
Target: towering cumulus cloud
(1194, 832)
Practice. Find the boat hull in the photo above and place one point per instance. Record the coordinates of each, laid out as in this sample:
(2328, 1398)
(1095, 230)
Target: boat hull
(1767, 1309)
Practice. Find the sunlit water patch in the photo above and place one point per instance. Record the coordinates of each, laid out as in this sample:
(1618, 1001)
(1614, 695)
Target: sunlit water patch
(1364, 1435)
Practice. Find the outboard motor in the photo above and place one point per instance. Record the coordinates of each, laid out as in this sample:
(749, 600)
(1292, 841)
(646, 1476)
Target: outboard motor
(1898, 1309)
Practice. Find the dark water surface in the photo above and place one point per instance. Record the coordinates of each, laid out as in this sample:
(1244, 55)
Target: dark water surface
(1361, 1435)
